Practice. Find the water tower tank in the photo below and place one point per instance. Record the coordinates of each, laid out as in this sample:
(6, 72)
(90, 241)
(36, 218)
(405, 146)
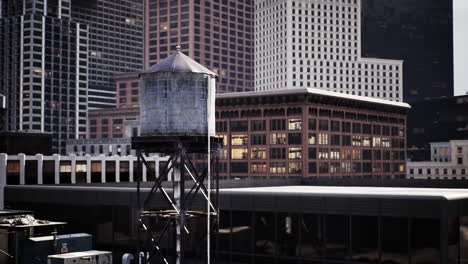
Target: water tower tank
(177, 98)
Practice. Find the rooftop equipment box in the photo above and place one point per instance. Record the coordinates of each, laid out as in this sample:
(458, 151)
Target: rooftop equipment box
(86, 257)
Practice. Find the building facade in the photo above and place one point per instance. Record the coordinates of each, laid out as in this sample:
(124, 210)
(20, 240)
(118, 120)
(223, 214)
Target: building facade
(449, 160)
(43, 67)
(127, 86)
(317, 44)
(116, 42)
(217, 34)
(109, 123)
(418, 32)
(310, 133)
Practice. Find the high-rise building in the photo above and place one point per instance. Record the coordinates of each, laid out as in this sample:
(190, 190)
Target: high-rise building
(43, 69)
(418, 32)
(217, 34)
(317, 44)
(436, 120)
(115, 43)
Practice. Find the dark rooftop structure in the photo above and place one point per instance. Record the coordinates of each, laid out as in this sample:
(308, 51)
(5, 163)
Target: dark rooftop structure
(13, 143)
(291, 221)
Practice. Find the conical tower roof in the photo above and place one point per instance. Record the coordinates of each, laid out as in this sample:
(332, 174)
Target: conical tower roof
(178, 62)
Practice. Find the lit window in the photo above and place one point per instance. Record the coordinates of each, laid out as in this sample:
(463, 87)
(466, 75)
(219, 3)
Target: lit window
(258, 153)
(239, 153)
(258, 167)
(294, 124)
(295, 167)
(277, 167)
(323, 139)
(239, 140)
(278, 139)
(295, 153)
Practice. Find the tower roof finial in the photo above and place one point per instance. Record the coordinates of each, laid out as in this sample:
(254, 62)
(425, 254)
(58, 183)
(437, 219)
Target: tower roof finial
(178, 48)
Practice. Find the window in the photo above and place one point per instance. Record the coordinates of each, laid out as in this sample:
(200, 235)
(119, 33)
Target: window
(312, 153)
(295, 167)
(312, 124)
(294, 124)
(258, 153)
(312, 138)
(258, 139)
(241, 153)
(323, 153)
(323, 125)
(356, 128)
(239, 140)
(221, 126)
(312, 167)
(346, 127)
(258, 167)
(294, 138)
(278, 139)
(295, 153)
(323, 139)
(239, 126)
(258, 125)
(323, 167)
(277, 153)
(335, 153)
(335, 126)
(277, 167)
(356, 141)
(239, 167)
(459, 160)
(335, 140)
(277, 124)
(366, 141)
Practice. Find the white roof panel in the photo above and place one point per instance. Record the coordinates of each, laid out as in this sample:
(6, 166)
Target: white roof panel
(313, 91)
(359, 192)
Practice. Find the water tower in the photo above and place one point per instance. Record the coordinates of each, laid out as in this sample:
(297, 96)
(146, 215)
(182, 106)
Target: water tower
(177, 118)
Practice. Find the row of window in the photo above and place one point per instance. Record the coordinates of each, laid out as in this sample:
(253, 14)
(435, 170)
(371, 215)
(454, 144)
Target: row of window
(314, 139)
(259, 153)
(316, 167)
(437, 171)
(313, 124)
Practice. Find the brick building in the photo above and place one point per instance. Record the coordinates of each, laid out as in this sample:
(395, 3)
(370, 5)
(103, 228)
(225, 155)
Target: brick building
(128, 90)
(310, 133)
(217, 34)
(109, 123)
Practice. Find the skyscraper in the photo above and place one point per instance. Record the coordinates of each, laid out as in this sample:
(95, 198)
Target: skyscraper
(43, 68)
(317, 44)
(216, 33)
(418, 32)
(115, 43)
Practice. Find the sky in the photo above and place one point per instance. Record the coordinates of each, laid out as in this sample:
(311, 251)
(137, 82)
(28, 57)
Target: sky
(460, 36)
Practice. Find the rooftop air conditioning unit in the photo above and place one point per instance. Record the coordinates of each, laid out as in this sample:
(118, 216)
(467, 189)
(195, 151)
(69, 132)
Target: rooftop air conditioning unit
(85, 257)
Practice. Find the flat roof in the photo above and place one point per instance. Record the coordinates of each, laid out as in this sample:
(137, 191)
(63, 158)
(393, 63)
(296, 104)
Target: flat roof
(355, 192)
(315, 92)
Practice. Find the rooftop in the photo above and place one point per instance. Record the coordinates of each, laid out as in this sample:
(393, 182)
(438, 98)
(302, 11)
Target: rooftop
(313, 91)
(178, 62)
